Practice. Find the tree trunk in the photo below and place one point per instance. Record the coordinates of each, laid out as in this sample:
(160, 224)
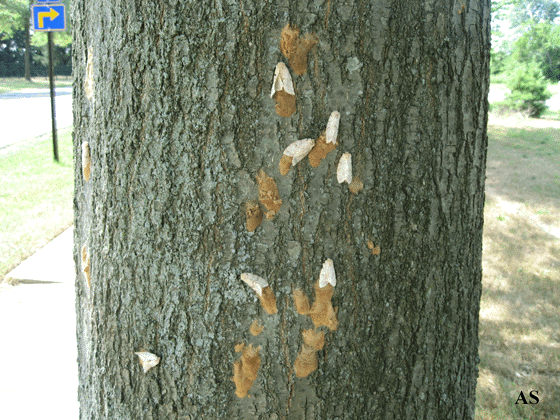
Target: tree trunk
(27, 53)
(173, 99)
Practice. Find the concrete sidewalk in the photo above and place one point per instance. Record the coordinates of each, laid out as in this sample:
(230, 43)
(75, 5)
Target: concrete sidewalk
(38, 369)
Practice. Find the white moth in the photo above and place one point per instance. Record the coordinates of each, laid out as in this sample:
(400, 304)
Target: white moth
(327, 275)
(282, 80)
(148, 360)
(332, 127)
(255, 282)
(344, 169)
(299, 149)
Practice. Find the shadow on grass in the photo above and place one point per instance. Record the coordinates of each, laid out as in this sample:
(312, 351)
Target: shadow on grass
(519, 318)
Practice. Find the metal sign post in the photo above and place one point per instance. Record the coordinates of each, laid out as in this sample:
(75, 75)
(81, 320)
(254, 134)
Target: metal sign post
(50, 18)
(51, 84)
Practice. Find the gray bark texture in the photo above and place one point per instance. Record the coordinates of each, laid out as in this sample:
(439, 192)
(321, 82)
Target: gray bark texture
(173, 98)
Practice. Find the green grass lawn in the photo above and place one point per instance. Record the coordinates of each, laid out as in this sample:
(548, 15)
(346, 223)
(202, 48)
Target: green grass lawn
(35, 196)
(11, 84)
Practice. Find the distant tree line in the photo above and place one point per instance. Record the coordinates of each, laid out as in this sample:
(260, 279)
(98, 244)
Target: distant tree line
(12, 58)
(529, 60)
(23, 52)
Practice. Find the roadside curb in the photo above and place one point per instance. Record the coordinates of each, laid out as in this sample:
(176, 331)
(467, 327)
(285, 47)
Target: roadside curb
(53, 263)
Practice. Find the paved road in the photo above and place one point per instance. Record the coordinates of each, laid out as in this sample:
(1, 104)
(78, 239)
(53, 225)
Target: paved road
(26, 114)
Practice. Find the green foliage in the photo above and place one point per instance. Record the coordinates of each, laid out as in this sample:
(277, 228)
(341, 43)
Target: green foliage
(12, 63)
(498, 62)
(528, 89)
(63, 39)
(534, 11)
(13, 15)
(532, 56)
(62, 56)
(541, 43)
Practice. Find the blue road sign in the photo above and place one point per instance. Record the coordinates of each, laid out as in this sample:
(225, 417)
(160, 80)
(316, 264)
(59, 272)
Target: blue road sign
(49, 18)
(49, 1)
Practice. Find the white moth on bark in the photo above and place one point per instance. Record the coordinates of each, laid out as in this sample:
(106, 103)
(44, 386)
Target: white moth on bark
(255, 282)
(344, 169)
(327, 275)
(299, 149)
(332, 127)
(148, 360)
(282, 80)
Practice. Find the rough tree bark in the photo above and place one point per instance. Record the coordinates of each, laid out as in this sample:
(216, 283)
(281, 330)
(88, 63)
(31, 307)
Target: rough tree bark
(174, 100)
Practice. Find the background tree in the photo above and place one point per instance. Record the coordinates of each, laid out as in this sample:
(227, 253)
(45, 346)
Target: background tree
(12, 15)
(20, 40)
(173, 100)
(15, 15)
(527, 55)
(528, 89)
(532, 12)
(538, 36)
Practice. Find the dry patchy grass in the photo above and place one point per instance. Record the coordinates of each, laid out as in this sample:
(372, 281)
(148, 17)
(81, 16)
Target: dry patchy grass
(520, 307)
